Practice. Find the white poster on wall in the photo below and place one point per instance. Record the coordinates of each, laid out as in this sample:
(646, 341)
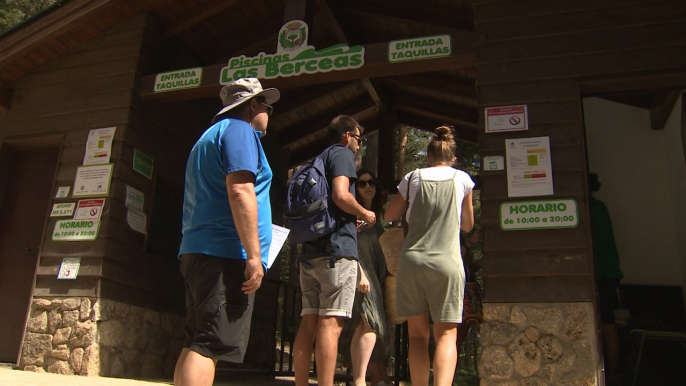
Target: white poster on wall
(93, 180)
(529, 167)
(99, 146)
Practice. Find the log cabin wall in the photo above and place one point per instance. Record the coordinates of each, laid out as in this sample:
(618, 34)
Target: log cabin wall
(544, 54)
(123, 315)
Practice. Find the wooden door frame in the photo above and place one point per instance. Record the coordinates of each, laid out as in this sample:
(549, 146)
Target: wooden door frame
(11, 146)
(620, 85)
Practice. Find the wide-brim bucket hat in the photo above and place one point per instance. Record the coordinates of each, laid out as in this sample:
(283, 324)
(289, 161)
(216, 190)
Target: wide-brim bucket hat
(244, 89)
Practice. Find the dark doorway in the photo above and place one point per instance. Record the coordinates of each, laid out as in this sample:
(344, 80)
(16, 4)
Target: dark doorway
(25, 187)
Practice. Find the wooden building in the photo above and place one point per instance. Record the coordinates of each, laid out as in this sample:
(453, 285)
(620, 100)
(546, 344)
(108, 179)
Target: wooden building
(152, 69)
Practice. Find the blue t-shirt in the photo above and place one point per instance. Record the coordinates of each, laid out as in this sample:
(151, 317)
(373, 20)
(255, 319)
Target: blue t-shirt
(228, 146)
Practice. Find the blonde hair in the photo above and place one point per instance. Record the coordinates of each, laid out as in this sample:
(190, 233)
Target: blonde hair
(442, 147)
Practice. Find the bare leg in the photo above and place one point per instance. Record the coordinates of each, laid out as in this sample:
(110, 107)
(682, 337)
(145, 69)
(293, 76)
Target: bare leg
(326, 351)
(302, 348)
(361, 348)
(193, 369)
(611, 349)
(445, 357)
(420, 366)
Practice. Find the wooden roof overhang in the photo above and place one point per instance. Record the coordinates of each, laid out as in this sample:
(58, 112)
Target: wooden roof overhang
(422, 94)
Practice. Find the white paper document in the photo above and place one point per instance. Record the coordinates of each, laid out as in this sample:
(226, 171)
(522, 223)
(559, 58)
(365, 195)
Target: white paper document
(279, 235)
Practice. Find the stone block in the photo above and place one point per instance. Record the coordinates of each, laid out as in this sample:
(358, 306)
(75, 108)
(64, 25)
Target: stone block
(576, 324)
(34, 369)
(85, 309)
(62, 335)
(70, 318)
(497, 333)
(151, 367)
(547, 319)
(59, 367)
(71, 304)
(493, 312)
(495, 364)
(36, 347)
(111, 333)
(517, 316)
(151, 317)
(116, 367)
(526, 355)
(532, 333)
(91, 361)
(61, 352)
(44, 304)
(551, 348)
(533, 381)
(83, 335)
(54, 320)
(76, 359)
(38, 321)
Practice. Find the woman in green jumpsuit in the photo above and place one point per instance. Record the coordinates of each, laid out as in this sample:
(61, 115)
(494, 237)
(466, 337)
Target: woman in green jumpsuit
(430, 278)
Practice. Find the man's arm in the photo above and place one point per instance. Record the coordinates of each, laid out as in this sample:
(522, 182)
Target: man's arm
(240, 187)
(346, 202)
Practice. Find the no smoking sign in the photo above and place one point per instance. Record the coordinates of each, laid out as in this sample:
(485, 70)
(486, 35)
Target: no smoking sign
(507, 118)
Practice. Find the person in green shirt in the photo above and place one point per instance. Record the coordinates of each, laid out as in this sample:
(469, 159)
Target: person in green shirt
(608, 275)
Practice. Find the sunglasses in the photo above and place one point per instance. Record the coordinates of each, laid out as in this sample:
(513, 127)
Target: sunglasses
(364, 183)
(357, 137)
(270, 109)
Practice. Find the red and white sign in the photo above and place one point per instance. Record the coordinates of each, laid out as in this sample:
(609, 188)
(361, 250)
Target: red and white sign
(89, 209)
(508, 118)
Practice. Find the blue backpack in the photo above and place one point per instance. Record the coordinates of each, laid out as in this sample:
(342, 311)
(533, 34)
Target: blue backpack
(310, 212)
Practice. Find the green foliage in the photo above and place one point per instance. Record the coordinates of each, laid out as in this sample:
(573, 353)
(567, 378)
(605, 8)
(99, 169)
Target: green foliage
(14, 12)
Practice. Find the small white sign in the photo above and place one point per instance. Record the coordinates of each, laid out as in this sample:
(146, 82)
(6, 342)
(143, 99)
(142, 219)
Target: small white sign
(137, 220)
(62, 209)
(529, 167)
(62, 192)
(69, 268)
(134, 198)
(93, 180)
(89, 209)
(539, 214)
(496, 162)
(507, 118)
(99, 146)
(76, 230)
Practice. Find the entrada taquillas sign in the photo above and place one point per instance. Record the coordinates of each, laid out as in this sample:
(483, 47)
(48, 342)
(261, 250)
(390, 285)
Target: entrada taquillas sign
(293, 57)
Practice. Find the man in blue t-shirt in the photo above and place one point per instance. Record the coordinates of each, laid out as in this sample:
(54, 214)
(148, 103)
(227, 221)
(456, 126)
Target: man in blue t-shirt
(226, 231)
(329, 266)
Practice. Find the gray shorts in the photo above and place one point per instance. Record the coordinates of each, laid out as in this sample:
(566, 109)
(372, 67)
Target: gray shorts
(218, 313)
(328, 291)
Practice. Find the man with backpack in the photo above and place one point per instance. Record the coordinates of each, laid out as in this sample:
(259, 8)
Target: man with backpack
(328, 265)
(226, 231)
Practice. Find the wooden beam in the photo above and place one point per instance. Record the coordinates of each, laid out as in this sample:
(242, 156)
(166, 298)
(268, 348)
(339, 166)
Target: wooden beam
(302, 105)
(408, 103)
(465, 131)
(60, 20)
(201, 13)
(307, 132)
(441, 84)
(443, 16)
(628, 84)
(298, 10)
(661, 111)
(5, 99)
(376, 65)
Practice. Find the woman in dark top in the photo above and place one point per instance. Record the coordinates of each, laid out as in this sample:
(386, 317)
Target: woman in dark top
(367, 334)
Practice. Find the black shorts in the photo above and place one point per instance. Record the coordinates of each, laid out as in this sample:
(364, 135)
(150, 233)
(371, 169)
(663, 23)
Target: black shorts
(609, 301)
(218, 313)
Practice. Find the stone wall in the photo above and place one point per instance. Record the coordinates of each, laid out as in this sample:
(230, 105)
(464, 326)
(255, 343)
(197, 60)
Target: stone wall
(538, 344)
(88, 336)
